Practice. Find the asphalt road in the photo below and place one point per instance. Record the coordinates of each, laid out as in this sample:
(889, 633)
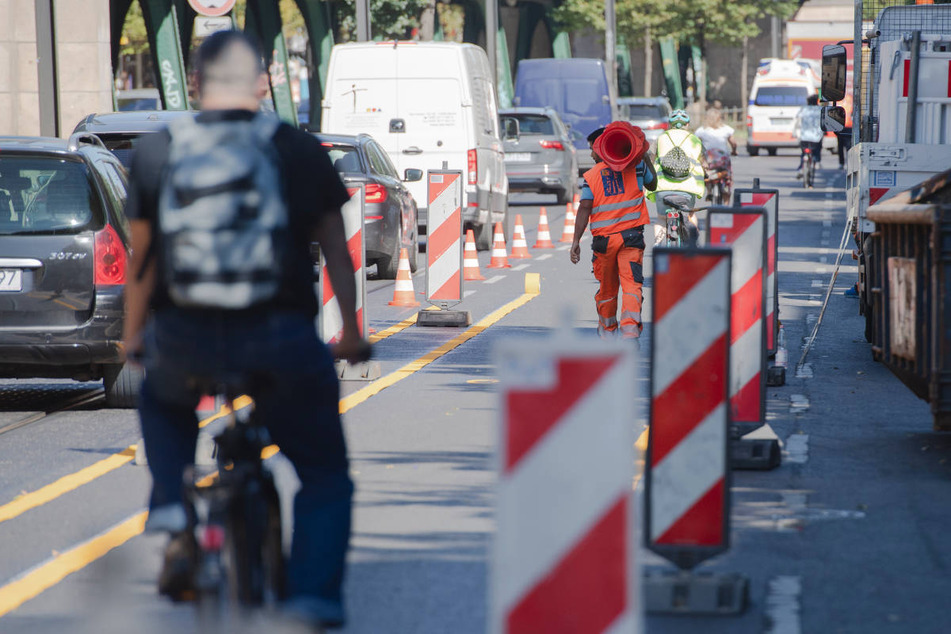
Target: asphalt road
(846, 536)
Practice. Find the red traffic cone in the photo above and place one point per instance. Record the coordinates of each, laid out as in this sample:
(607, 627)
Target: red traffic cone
(470, 259)
(500, 258)
(403, 292)
(519, 245)
(568, 235)
(544, 236)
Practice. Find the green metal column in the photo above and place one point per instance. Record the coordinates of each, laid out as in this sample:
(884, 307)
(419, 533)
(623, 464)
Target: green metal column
(161, 23)
(264, 19)
(503, 71)
(321, 40)
(668, 54)
(474, 23)
(529, 15)
(561, 45)
(625, 86)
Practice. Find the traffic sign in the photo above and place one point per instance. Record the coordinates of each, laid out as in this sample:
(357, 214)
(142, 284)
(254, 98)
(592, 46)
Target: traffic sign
(211, 8)
(205, 26)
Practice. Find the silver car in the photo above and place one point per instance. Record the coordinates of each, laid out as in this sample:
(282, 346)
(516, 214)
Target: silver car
(539, 154)
(650, 114)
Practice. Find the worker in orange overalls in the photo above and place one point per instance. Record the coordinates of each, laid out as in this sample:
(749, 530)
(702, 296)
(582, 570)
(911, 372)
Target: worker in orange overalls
(614, 203)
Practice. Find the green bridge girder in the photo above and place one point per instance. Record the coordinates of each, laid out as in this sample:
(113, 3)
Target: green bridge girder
(170, 23)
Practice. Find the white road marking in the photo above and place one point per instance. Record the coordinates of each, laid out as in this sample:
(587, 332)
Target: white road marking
(811, 318)
(797, 452)
(563, 247)
(520, 267)
(824, 259)
(782, 605)
(468, 293)
(826, 223)
(544, 256)
(814, 298)
(494, 279)
(805, 372)
(818, 284)
(821, 269)
(798, 402)
(826, 234)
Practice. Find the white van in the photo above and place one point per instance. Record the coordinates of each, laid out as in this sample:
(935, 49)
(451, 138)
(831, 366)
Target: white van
(780, 88)
(426, 103)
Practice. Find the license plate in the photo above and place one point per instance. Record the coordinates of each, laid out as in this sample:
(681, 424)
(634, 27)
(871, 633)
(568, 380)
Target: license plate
(781, 121)
(518, 157)
(11, 280)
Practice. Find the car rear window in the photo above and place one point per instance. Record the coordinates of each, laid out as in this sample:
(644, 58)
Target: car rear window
(344, 157)
(781, 96)
(122, 145)
(642, 111)
(534, 124)
(47, 195)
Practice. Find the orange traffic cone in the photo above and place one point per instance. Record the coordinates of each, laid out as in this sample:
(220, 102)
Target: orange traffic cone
(500, 258)
(544, 236)
(576, 200)
(403, 292)
(519, 245)
(470, 259)
(568, 235)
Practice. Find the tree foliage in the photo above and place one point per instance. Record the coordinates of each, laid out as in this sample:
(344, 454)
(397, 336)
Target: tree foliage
(134, 38)
(389, 19)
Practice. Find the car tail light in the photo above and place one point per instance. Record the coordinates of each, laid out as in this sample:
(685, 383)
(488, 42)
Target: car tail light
(660, 125)
(473, 167)
(552, 145)
(375, 193)
(212, 538)
(110, 257)
(373, 217)
(749, 121)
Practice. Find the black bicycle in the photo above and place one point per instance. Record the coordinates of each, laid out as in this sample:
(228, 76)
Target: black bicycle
(680, 232)
(241, 562)
(808, 168)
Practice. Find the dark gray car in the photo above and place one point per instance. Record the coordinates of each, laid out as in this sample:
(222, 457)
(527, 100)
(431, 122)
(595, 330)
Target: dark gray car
(120, 131)
(539, 154)
(64, 242)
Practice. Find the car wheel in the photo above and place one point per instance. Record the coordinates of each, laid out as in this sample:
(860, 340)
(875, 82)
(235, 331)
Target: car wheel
(387, 266)
(771, 151)
(484, 237)
(752, 151)
(565, 195)
(122, 384)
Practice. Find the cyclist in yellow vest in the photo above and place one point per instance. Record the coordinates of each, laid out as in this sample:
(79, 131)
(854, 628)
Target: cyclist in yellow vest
(689, 182)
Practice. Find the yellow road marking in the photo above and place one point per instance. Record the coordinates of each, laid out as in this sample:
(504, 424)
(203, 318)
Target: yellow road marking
(532, 290)
(48, 574)
(395, 328)
(65, 484)
(40, 579)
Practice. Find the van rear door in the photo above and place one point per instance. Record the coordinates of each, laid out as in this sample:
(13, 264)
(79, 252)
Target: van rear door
(361, 96)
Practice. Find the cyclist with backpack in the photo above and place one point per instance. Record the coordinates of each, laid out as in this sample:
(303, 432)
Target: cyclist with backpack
(680, 169)
(223, 210)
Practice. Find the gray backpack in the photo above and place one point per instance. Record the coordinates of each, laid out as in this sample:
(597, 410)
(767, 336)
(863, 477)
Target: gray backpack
(675, 163)
(222, 214)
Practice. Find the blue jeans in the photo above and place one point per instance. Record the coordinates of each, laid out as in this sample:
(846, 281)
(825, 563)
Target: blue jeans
(301, 411)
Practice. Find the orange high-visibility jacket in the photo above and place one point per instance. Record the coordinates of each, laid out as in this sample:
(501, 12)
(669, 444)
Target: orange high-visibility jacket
(618, 200)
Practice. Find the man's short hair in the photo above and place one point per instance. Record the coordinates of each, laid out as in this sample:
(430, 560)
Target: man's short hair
(215, 48)
(812, 100)
(594, 136)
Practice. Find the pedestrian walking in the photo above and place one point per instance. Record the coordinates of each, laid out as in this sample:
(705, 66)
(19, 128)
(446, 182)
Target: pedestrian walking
(223, 209)
(612, 202)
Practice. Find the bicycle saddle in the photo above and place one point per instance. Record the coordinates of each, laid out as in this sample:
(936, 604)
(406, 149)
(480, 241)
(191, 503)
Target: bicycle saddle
(679, 201)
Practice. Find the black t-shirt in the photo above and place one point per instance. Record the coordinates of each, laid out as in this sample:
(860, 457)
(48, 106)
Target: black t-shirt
(311, 185)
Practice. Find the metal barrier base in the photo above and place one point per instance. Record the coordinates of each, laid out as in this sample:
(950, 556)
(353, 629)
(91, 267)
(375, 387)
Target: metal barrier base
(369, 371)
(444, 318)
(776, 376)
(695, 593)
(754, 447)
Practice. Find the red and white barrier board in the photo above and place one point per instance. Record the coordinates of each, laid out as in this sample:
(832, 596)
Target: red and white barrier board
(564, 557)
(687, 474)
(743, 229)
(330, 323)
(768, 199)
(444, 244)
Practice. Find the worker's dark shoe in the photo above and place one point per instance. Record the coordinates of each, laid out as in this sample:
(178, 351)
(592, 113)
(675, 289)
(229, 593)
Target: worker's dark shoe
(799, 175)
(177, 579)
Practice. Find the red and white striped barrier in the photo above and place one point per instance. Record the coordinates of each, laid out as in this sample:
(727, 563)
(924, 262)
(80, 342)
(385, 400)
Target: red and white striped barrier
(330, 323)
(743, 229)
(444, 245)
(768, 199)
(565, 552)
(686, 470)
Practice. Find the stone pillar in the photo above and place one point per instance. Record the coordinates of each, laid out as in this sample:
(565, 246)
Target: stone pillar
(84, 61)
(19, 91)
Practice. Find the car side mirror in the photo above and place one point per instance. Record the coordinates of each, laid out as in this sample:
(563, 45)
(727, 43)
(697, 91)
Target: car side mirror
(510, 129)
(834, 65)
(833, 119)
(411, 175)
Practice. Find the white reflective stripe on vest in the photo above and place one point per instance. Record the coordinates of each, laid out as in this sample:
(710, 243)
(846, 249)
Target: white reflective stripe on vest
(600, 224)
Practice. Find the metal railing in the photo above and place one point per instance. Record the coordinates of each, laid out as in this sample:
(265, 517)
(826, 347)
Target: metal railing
(910, 294)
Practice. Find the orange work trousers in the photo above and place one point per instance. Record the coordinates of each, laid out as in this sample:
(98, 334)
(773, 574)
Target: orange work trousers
(618, 266)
